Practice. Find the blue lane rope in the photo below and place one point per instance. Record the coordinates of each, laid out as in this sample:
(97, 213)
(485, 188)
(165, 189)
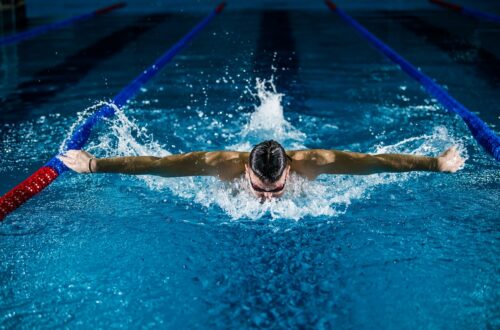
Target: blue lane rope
(480, 14)
(481, 132)
(44, 176)
(57, 25)
(467, 11)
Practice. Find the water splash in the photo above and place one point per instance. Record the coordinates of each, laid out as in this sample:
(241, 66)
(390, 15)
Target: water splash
(327, 196)
(425, 144)
(81, 117)
(268, 120)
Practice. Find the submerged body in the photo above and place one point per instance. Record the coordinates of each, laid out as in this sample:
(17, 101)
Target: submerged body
(259, 169)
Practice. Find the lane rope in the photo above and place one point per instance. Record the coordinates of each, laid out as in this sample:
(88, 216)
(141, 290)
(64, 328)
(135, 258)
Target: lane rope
(15, 38)
(467, 11)
(44, 176)
(480, 131)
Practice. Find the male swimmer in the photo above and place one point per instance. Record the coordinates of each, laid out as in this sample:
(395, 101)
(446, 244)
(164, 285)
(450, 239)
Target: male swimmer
(266, 167)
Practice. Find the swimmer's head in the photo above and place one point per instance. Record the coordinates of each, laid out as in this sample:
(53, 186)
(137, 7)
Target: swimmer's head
(267, 169)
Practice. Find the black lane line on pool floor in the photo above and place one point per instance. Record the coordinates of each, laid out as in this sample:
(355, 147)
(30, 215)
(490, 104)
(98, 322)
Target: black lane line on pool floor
(49, 82)
(276, 48)
(486, 63)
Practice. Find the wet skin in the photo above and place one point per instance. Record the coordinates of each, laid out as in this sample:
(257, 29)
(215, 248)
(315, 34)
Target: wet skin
(229, 165)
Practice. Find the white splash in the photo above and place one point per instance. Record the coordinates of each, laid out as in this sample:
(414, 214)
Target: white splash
(268, 120)
(328, 196)
(427, 144)
(82, 116)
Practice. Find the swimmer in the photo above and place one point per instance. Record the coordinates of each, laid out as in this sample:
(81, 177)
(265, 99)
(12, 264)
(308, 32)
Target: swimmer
(266, 167)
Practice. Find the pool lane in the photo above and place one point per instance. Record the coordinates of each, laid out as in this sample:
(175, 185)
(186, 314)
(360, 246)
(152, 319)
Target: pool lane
(45, 175)
(460, 50)
(116, 252)
(51, 81)
(38, 30)
(484, 135)
(276, 49)
(459, 80)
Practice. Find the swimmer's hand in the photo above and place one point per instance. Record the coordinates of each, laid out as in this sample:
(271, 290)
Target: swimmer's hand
(450, 160)
(79, 161)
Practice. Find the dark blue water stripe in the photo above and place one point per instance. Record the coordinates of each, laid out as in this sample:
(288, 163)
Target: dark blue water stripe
(276, 48)
(481, 132)
(461, 51)
(56, 25)
(129, 91)
(51, 81)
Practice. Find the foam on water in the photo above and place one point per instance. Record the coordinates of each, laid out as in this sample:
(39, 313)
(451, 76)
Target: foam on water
(327, 196)
(268, 120)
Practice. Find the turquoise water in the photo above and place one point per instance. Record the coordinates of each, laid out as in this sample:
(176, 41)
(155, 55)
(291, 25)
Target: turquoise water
(406, 251)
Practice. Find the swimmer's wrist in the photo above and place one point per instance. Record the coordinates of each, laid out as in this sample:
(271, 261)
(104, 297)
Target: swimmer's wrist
(424, 163)
(434, 166)
(93, 168)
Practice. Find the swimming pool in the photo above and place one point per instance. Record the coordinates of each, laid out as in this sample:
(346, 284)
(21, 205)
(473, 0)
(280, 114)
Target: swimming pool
(382, 251)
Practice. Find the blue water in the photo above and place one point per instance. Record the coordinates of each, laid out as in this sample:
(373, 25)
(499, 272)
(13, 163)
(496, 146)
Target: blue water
(393, 251)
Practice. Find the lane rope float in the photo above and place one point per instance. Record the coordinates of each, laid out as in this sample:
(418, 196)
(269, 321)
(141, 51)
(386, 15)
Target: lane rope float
(479, 129)
(44, 176)
(467, 11)
(15, 38)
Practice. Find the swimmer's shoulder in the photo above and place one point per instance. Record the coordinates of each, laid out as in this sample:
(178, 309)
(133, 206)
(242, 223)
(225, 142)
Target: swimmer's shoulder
(230, 164)
(227, 157)
(316, 156)
(307, 161)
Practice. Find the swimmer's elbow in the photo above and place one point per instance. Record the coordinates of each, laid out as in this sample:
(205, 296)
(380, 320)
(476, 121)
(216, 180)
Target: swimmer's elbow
(189, 164)
(353, 163)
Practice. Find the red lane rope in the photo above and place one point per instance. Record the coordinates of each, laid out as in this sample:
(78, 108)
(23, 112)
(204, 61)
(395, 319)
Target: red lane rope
(26, 189)
(220, 7)
(331, 5)
(448, 5)
(110, 8)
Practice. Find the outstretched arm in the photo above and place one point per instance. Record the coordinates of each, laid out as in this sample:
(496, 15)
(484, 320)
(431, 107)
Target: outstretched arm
(224, 164)
(312, 163)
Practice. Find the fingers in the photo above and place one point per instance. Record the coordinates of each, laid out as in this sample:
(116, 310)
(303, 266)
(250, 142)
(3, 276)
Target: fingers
(450, 150)
(461, 163)
(451, 153)
(75, 160)
(445, 153)
(66, 160)
(456, 161)
(451, 160)
(89, 155)
(454, 151)
(70, 163)
(77, 154)
(72, 153)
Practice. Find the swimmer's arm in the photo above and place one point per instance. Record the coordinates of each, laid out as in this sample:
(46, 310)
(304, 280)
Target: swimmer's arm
(318, 161)
(224, 164)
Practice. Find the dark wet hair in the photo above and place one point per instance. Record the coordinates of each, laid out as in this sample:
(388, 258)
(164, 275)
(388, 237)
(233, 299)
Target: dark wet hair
(268, 160)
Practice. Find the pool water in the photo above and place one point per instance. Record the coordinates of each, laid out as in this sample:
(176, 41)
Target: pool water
(400, 251)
